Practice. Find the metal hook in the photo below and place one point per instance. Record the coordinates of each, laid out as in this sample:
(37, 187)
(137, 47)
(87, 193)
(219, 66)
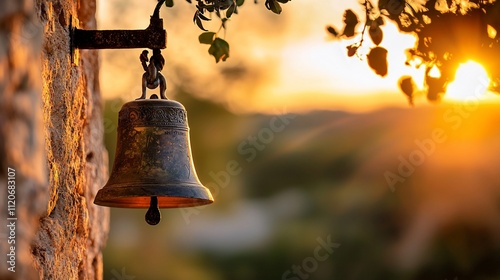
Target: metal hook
(156, 13)
(152, 78)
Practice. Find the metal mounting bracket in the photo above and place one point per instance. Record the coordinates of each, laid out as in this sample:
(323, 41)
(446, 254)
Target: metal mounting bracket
(153, 37)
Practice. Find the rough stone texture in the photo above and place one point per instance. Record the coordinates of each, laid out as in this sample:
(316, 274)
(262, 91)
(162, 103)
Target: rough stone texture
(57, 217)
(21, 131)
(74, 230)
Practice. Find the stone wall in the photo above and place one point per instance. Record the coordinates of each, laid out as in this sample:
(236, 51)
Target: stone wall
(51, 133)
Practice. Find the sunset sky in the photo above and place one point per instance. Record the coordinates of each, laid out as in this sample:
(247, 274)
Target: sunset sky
(286, 61)
(324, 173)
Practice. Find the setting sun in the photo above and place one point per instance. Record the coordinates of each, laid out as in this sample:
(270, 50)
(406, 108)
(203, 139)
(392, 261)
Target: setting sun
(471, 82)
(295, 64)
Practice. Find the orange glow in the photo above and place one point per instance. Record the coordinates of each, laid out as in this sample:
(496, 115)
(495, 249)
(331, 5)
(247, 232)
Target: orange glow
(322, 72)
(434, 72)
(492, 32)
(292, 64)
(471, 82)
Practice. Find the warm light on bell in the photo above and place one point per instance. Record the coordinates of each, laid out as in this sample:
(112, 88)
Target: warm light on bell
(153, 166)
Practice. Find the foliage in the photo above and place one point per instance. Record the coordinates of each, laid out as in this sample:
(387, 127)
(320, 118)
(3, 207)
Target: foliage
(219, 48)
(449, 32)
(223, 10)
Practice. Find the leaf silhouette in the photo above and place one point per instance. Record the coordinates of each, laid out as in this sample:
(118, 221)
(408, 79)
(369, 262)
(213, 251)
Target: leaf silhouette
(377, 60)
(351, 21)
(351, 50)
(407, 86)
(395, 7)
(330, 29)
(435, 88)
(376, 34)
(380, 21)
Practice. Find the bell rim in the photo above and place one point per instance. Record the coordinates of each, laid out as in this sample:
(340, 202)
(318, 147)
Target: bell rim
(194, 202)
(188, 194)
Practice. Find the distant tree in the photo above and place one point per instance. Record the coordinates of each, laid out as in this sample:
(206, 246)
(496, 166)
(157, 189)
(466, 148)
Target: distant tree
(449, 32)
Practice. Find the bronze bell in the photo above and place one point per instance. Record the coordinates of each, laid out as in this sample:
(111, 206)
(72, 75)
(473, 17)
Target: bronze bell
(153, 166)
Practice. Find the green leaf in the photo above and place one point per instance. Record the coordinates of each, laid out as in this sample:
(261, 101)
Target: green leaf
(230, 10)
(219, 49)
(240, 2)
(203, 17)
(223, 22)
(210, 8)
(198, 22)
(225, 4)
(169, 3)
(274, 6)
(206, 38)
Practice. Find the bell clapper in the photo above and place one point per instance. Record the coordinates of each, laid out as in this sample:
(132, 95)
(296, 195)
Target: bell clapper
(153, 216)
(153, 159)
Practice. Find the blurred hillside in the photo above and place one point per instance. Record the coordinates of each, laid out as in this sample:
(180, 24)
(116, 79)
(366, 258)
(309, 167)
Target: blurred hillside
(402, 194)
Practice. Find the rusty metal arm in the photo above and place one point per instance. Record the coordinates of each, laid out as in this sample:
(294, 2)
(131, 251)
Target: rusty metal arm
(153, 37)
